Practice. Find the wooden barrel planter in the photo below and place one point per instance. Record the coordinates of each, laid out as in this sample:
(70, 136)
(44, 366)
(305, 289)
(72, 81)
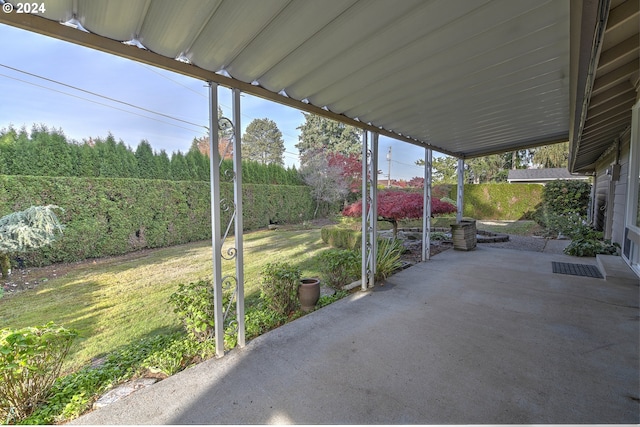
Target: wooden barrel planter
(464, 235)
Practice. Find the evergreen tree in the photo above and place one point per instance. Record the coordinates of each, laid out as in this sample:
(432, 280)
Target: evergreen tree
(127, 161)
(444, 169)
(107, 154)
(179, 169)
(87, 162)
(329, 136)
(163, 165)
(263, 142)
(197, 165)
(486, 169)
(23, 155)
(52, 152)
(552, 156)
(146, 161)
(8, 138)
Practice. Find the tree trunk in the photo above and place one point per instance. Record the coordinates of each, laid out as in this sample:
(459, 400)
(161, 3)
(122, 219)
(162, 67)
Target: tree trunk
(5, 265)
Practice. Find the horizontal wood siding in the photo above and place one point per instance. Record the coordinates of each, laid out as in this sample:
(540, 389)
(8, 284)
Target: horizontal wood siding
(620, 195)
(602, 190)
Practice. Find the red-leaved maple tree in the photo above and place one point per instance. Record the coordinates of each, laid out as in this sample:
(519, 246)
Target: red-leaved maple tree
(394, 206)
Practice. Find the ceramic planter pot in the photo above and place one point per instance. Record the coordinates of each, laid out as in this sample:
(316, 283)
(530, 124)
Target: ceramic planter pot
(308, 293)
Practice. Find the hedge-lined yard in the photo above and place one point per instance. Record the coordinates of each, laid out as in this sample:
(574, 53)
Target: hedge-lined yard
(113, 216)
(500, 201)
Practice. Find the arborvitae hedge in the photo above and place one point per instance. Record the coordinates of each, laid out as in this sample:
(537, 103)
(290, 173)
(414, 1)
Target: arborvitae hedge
(113, 216)
(500, 201)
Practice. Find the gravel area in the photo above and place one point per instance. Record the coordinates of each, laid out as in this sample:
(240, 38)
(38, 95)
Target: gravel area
(521, 243)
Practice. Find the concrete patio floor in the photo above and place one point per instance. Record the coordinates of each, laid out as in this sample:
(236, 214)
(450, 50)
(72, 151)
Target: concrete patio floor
(487, 336)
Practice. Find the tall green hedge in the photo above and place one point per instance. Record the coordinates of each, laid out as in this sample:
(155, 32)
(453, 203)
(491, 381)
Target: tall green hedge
(500, 200)
(113, 216)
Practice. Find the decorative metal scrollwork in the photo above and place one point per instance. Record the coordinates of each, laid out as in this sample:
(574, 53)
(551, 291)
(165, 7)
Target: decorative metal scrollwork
(225, 205)
(231, 253)
(229, 285)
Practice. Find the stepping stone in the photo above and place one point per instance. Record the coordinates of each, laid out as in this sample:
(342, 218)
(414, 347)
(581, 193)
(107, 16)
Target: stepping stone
(123, 390)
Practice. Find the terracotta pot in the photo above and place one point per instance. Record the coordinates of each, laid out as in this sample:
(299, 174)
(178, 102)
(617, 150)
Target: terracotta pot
(308, 293)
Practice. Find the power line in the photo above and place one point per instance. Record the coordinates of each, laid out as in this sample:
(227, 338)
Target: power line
(98, 95)
(95, 102)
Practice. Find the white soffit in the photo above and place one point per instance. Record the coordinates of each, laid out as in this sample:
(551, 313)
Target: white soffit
(465, 77)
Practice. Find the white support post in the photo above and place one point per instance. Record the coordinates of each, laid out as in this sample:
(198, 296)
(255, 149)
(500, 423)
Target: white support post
(460, 190)
(237, 196)
(216, 246)
(426, 211)
(365, 209)
(373, 193)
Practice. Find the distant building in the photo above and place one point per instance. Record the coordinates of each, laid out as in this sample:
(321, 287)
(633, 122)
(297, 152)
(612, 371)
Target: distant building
(541, 176)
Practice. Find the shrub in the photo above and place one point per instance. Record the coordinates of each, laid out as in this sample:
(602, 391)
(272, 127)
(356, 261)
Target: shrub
(193, 303)
(590, 247)
(73, 394)
(279, 288)
(388, 259)
(177, 354)
(329, 299)
(341, 237)
(499, 201)
(567, 196)
(339, 267)
(564, 207)
(30, 361)
(111, 216)
(260, 319)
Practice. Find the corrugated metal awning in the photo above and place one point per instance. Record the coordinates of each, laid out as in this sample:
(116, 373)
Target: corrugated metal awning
(465, 77)
(607, 79)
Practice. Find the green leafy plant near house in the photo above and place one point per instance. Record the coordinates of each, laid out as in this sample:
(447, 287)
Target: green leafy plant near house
(30, 361)
(564, 207)
(388, 259)
(279, 287)
(193, 303)
(587, 242)
(339, 267)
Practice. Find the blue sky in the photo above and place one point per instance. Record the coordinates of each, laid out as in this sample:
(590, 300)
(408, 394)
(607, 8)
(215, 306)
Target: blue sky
(27, 99)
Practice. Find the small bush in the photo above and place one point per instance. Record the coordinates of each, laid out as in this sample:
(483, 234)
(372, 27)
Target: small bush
(261, 319)
(585, 247)
(193, 303)
(177, 354)
(388, 260)
(73, 394)
(279, 288)
(339, 267)
(564, 207)
(341, 237)
(329, 299)
(30, 361)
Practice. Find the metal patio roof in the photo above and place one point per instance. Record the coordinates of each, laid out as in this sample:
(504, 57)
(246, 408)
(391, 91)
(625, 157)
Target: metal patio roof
(464, 77)
(607, 55)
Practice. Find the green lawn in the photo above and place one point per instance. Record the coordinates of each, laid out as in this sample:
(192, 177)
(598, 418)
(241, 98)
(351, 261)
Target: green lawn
(115, 301)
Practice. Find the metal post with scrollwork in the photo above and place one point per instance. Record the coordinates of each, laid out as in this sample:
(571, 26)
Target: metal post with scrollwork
(230, 286)
(369, 208)
(426, 215)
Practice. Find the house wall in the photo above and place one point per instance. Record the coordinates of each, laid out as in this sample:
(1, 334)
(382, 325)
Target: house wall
(611, 190)
(601, 193)
(620, 192)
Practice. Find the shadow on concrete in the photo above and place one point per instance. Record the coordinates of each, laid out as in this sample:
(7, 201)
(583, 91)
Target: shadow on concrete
(487, 336)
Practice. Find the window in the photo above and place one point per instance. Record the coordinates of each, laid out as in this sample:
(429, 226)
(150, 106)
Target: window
(631, 244)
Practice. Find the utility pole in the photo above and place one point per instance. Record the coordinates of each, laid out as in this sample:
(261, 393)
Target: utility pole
(389, 169)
